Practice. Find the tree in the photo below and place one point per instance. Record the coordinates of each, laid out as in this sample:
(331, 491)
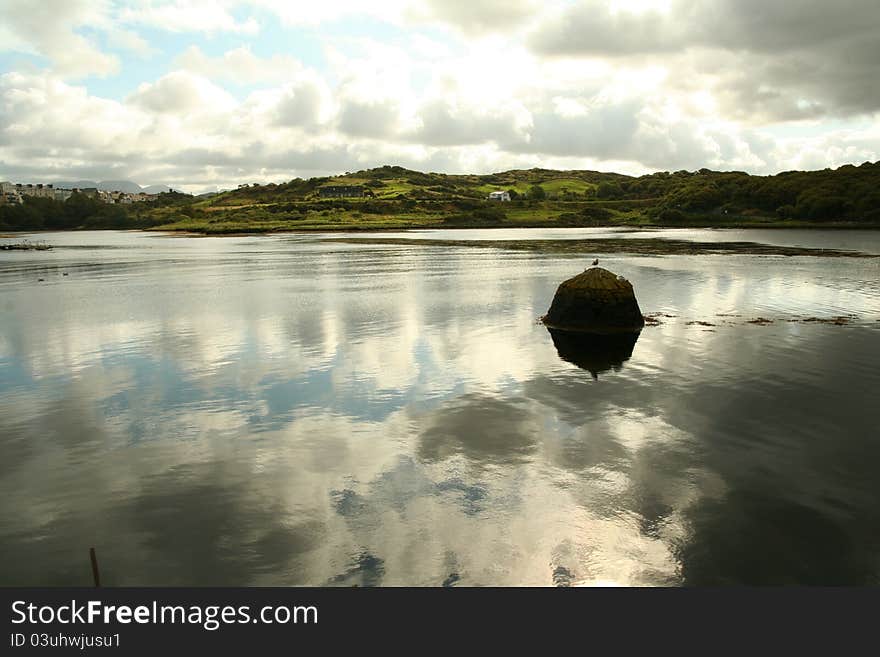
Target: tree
(607, 190)
(537, 193)
(671, 216)
(785, 211)
(78, 208)
(48, 209)
(23, 216)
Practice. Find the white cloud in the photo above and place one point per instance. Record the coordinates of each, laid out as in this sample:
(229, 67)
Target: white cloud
(129, 40)
(56, 116)
(302, 104)
(475, 16)
(614, 86)
(180, 92)
(315, 13)
(239, 65)
(209, 16)
(49, 29)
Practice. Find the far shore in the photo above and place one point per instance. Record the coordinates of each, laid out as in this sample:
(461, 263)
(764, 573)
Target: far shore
(360, 228)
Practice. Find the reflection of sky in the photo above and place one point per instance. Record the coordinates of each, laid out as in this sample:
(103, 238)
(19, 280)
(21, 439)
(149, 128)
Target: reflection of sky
(283, 410)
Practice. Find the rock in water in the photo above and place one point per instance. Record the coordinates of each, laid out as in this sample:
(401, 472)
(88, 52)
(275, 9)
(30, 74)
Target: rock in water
(595, 301)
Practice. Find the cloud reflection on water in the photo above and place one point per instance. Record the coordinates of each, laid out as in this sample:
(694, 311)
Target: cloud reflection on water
(286, 428)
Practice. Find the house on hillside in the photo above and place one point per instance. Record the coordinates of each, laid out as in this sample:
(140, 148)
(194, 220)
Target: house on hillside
(341, 191)
(499, 196)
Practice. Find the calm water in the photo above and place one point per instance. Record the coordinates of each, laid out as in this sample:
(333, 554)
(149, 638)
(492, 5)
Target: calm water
(301, 410)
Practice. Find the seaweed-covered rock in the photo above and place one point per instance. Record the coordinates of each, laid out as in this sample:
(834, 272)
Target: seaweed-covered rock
(595, 301)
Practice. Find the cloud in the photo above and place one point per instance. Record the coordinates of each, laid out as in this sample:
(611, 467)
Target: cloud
(46, 110)
(211, 16)
(130, 40)
(631, 87)
(603, 28)
(182, 92)
(783, 61)
(478, 16)
(49, 29)
(602, 131)
(299, 105)
(595, 28)
(239, 65)
(443, 124)
(315, 13)
(374, 119)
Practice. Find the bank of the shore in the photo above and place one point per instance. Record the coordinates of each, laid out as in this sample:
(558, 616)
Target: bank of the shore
(345, 223)
(193, 229)
(221, 230)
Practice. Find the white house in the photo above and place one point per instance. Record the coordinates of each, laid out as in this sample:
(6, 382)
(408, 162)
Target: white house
(499, 196)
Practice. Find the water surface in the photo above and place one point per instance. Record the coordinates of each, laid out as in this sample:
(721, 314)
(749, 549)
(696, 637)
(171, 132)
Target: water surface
(307, 409)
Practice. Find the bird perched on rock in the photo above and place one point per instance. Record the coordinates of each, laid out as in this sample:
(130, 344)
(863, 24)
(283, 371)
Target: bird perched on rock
(595, 262)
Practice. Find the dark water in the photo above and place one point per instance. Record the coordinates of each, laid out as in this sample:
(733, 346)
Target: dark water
(299, 410)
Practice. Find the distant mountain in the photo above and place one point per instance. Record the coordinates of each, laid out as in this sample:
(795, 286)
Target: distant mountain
(78, 184)
(126, 186)
(119, 186)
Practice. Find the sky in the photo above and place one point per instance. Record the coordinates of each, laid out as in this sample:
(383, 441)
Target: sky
(207, 94)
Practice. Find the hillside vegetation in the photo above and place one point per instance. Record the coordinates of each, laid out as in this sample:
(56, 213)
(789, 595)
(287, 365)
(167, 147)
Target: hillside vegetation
(401, 198)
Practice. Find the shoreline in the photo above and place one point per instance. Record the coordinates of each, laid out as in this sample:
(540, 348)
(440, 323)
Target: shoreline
(189, 232)
(664, 241)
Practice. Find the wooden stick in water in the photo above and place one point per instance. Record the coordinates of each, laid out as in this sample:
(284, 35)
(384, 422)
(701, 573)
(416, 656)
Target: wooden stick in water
(95, 574)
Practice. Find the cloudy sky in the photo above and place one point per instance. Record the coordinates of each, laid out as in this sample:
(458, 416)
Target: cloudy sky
(205, 94)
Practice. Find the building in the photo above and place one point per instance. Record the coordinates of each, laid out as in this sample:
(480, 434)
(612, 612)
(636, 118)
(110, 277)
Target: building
(9, 194)
(499, 196)
(44, 191)
(341, 191)
(38, 191)
(15, 192)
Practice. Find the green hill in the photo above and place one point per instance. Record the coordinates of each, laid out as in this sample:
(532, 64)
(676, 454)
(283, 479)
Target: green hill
(394, 197)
